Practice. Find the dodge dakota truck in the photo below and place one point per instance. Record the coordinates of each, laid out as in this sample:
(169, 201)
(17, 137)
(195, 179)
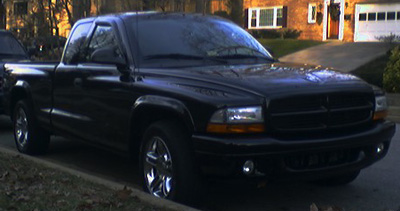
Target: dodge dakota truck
(194, 97)
(10, 50)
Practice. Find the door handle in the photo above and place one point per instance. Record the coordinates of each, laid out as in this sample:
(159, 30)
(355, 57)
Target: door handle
(78, 82)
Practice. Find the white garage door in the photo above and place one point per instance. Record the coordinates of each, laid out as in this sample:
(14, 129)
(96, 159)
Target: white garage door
(375, 20)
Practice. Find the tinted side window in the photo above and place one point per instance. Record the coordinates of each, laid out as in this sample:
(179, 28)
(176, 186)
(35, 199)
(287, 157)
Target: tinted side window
(76, 41)
(103, 37)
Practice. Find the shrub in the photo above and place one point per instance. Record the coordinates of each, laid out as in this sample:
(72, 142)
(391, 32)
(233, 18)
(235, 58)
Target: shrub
(391, 38)
(275, 33)
(265, 33)
(391, 76)
(290, 33)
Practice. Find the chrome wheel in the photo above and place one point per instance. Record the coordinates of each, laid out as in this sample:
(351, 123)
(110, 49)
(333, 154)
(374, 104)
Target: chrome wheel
(21, 128)
(157, 166)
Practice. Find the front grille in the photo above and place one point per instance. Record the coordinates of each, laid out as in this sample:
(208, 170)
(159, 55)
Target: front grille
(320, 112)
(323, 159)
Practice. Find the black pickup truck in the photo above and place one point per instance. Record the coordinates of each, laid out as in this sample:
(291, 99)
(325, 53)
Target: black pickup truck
(10, 51)
(195, 97)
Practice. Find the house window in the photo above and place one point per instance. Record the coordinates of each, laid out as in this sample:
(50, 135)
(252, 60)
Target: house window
(279, 17)
(253, 18)
(20, 8)
(266, 18)
(398, 15)
(312, 13)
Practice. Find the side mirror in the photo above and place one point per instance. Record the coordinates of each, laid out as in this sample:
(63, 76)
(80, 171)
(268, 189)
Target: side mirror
(108, 56)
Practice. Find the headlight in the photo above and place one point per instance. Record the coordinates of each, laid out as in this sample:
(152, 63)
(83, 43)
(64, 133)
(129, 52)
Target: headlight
(237, 120)
(381, 107)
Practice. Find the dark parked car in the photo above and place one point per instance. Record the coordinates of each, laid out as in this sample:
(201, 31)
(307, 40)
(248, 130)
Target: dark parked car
(10, 50)
(194, 96)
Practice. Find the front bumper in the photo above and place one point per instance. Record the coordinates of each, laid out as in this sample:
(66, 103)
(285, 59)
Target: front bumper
(275, 158)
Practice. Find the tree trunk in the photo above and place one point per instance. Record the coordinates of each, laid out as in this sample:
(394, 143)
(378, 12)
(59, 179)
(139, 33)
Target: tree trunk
(2, 15)
(200, 6)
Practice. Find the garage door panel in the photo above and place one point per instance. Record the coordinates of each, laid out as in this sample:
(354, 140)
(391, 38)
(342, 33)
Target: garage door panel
(375, 20)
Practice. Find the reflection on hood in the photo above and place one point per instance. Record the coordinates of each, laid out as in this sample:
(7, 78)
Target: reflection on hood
(278, 72)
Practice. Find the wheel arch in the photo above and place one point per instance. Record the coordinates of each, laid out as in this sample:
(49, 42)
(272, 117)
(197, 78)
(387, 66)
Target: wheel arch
(21, 90)
(151, 108)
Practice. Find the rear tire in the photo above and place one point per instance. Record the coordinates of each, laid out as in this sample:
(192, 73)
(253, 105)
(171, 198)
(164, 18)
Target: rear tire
(29, 137)
(339, 180)
(167, 163)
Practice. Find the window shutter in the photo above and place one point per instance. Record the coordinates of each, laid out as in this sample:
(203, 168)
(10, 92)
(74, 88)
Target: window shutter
(246, 19)
(284, 16)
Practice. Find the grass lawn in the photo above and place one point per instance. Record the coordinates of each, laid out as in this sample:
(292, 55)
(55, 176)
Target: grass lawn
(25, 185)
(372, 72)
(282, 47)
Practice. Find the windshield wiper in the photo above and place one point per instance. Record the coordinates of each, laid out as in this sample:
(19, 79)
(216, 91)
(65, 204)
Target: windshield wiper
(178, 56)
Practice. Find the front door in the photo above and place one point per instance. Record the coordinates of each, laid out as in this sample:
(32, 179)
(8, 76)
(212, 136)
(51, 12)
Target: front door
(106, 95)
(333, 20)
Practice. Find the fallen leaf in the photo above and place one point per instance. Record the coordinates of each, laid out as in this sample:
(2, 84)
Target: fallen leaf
(61, 203)
(89, 201)
(119, 205)
(124, 194)
(23, 198)
(313, 207)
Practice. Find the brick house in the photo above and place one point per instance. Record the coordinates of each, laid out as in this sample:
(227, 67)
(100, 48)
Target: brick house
(347, 20)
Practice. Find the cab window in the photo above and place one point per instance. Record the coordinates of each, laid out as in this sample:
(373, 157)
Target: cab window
(76, 43)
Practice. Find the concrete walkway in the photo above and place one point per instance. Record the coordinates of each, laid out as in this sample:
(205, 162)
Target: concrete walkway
(343, 56)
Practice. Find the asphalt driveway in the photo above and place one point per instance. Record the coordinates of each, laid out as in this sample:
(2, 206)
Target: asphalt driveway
(344, 56)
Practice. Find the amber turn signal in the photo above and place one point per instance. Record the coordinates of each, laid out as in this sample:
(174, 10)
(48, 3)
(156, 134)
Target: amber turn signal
(380, 115)
(235, 128)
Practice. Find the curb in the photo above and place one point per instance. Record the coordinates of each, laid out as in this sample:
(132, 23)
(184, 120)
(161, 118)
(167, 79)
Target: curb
(144, 197)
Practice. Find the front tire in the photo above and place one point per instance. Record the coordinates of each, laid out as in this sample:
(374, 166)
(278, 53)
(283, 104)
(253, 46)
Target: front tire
(167, 162)
(29, 137)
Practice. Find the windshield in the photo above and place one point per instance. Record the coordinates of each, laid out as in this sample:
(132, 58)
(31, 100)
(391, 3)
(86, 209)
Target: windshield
(189, 40)
(10, 47)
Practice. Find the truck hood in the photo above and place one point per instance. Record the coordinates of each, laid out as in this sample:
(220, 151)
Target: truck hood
(266, 79)
(256, 82)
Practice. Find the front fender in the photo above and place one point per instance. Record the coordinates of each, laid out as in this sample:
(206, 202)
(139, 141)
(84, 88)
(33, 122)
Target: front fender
(21, 89)
(164, 103)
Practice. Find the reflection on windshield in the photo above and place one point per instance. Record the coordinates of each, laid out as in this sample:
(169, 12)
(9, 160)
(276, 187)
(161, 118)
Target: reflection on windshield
(10, 47)
(200, 38)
